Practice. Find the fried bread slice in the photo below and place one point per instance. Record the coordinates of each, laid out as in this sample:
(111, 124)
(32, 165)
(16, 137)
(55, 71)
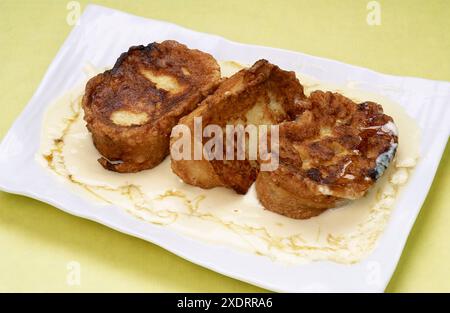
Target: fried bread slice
(333, 152)
(260, 95)
(131, 109)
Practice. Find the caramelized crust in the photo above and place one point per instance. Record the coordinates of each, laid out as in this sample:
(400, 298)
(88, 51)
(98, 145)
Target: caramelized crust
(131, 109)
(333, 152)
(332, 149)
(262, 94)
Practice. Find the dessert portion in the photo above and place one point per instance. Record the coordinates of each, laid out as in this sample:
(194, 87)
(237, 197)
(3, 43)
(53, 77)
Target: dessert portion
(331, 149)
(333, 152)
(131, 109)
(345, 235)
(260, 95)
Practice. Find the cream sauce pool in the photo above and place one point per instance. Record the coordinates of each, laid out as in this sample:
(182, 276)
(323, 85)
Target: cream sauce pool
(220, 216)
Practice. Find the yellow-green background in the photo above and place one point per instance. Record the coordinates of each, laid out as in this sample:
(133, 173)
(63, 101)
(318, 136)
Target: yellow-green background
(37, 241)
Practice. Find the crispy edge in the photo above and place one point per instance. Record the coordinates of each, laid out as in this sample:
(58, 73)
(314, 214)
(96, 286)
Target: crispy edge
(148, 144)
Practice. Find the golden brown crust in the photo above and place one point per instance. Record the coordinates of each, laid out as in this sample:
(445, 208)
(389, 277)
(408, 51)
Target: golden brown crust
(262, 94)
(333, 152)
(332, 149)
(288, 203)
(131, 109)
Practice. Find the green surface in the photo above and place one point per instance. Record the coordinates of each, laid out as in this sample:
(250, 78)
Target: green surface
(37, 241)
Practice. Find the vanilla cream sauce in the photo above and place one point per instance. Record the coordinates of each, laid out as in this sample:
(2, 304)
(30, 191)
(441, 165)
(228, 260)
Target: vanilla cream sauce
(220, 216)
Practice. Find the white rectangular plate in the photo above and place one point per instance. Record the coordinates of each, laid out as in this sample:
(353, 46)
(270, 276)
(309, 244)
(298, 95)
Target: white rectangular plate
(104, 33)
